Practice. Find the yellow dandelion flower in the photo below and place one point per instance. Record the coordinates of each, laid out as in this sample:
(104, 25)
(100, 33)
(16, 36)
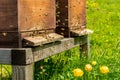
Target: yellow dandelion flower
(104, 69)
(78, 72)
(94, 63)
(88, 67)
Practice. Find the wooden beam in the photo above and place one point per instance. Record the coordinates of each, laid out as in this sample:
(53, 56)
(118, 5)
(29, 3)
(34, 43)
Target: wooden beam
(24, 56)
(5, 56)
(52, 49)
(16, 56)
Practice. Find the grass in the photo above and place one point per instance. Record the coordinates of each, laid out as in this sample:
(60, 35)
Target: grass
(103, 17)
(5, 72)
(105, 42)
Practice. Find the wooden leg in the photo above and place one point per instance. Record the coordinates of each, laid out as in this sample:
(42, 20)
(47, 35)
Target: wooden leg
(21, 72)
(85, 48)
(88, 47)
(38, 66)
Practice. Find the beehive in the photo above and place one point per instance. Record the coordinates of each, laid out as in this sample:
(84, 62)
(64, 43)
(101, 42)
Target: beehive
(27, 23)
(71, 17)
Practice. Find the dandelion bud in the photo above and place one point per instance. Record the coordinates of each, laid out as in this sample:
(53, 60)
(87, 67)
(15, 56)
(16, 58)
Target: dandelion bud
(94, 63)
(88, 67)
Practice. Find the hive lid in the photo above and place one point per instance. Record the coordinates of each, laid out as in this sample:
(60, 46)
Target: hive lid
(40, 40)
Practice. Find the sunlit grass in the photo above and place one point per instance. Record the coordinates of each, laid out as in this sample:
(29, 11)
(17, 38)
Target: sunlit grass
(5, 72)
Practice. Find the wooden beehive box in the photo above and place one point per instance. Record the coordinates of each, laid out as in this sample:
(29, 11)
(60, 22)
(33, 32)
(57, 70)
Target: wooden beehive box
(27, 23)
(71, 18)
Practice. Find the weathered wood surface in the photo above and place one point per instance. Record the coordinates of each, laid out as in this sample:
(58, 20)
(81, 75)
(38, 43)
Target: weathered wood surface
(53, 48)
(5, 56)
(23, 56)
(16, 56)
(42, 39)
(22, 72)
(85, 47)
(81, 32)
(88, 47)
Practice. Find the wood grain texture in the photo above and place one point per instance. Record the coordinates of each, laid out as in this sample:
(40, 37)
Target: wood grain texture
(34, 14)
(5, 56)
(16, 56)
(22, 72)
(40, 40)
(85, 48)
(52, 49)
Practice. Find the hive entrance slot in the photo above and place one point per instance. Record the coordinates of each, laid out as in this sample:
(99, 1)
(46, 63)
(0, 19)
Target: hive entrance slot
(40, 40)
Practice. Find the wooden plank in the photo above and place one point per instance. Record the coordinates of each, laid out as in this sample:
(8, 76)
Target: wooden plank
(22, 72)
(5, 56)
(16, 56)
(52, 49)
(43, 39)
